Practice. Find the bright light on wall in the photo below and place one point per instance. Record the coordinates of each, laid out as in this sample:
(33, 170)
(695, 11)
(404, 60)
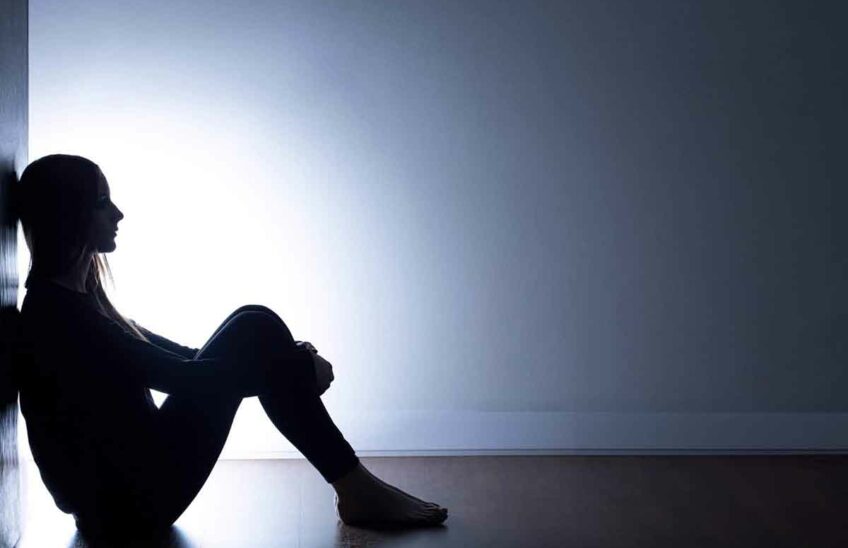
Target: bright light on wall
(212, 224)
(497, 216)
(199, 237)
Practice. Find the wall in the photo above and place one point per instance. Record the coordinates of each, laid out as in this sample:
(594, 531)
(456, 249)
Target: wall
(555, 225)
(13, 157)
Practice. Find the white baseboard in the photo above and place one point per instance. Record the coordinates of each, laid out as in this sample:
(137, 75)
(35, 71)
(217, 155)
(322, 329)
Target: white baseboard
(422, 433)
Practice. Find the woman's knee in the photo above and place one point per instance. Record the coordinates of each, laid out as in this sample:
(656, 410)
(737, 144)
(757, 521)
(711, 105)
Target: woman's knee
(255, 337)
(252, 308)
(259, 324)
(257, 308)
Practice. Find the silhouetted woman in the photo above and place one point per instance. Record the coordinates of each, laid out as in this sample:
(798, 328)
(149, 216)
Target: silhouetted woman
(106, 453)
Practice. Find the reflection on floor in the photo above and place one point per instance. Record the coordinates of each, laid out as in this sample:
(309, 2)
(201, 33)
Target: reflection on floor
(528, 501)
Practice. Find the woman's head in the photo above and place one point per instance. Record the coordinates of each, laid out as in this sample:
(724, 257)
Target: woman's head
(66, 213)
(69, 220)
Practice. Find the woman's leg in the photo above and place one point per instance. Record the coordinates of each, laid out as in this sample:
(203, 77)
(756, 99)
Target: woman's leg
(196, 427)
(236, 312)
(361, 497)
(300, 414)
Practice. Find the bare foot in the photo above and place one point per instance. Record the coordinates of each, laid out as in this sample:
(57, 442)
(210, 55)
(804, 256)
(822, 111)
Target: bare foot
(364, 499)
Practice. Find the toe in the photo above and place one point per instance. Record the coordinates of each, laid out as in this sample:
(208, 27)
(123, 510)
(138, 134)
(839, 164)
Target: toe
(433, 514)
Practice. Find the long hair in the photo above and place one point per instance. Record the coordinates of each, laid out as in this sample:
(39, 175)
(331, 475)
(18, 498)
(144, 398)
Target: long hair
(56, 200)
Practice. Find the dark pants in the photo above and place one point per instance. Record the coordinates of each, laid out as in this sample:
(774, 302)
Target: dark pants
(195, 427)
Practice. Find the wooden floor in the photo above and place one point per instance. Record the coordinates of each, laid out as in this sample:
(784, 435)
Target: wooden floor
(650, 501)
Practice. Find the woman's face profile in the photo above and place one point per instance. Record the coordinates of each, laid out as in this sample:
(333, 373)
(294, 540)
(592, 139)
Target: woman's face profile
(104, 222)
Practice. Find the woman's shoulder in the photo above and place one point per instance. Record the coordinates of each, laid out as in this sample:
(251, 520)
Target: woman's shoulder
(41, 289)
(46, 303)
(39, 296)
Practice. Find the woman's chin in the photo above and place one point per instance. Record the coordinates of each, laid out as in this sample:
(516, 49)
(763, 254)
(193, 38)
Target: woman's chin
(107, 247)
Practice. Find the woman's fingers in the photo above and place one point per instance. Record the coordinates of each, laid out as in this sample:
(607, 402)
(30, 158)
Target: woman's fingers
(323, 373)
(308, 345)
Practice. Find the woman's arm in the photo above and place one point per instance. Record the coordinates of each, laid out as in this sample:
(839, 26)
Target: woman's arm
(167, 344)
(156, 367)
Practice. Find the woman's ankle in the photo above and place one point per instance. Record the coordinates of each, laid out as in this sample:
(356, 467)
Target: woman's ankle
(351, 481)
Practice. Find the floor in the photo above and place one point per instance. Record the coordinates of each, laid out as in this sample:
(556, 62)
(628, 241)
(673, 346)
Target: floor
(580, 501)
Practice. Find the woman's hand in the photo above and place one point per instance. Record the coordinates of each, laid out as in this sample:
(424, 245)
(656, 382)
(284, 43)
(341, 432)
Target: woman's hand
(306, 344)
(323, 368)
(323, 373)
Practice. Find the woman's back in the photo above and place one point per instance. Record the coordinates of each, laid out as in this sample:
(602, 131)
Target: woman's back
(90, 427)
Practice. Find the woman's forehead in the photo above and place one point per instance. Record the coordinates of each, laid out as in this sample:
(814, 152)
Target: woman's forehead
(102, 183)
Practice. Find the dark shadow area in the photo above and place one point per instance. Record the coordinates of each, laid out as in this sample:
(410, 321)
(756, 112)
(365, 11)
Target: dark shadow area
(9, 467)
(13, 156)
(172, 538)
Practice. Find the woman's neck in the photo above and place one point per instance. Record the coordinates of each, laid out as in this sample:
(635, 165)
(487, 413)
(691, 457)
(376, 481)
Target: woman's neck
(74, 279)
(69, 285)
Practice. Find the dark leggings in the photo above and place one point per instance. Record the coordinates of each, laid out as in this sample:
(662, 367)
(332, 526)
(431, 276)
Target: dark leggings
(195, 427)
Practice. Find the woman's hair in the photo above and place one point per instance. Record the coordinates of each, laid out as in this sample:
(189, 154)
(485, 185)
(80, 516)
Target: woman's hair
(56, 200)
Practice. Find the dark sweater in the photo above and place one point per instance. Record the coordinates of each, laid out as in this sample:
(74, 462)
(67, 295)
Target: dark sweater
(84, 394)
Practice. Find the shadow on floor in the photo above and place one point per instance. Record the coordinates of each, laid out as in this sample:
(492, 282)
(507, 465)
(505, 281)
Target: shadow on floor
(173, 538)
(345, 536)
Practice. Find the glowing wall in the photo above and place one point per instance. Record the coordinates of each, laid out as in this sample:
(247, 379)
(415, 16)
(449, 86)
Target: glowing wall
(509, 225)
